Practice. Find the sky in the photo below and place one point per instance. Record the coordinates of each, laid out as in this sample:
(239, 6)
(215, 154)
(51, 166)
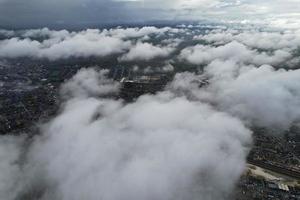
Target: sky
(35, 13)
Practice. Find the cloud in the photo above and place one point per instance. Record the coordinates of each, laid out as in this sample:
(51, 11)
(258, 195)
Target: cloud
(54, 45)
(10, 176)
(166, 68)
(139, 32)
(163, 146)
(160, 147)
(44, 33)
(204, 54)
(254, 39)
(148, 43)
(6, 33)
(264, 96)
(88, 82)
(146, 51)
(260, 96)
(83, 44)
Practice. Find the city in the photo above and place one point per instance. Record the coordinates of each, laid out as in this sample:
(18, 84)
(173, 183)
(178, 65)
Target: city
(149, 100)
(32, 95)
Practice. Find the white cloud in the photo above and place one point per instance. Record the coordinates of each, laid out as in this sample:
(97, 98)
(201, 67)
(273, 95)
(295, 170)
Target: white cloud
(88, 82)
(264, 96)
(168, 68)
(140, 150)
(260, 96)
(63, 45)
(254, 39)
(201, 54)
(164, 146)
(138, 32)
(146, 51)
(91, 42)
(160, 147)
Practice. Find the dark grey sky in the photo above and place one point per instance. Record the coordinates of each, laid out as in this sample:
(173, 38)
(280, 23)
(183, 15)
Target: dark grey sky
(20, 13)
(35, 13)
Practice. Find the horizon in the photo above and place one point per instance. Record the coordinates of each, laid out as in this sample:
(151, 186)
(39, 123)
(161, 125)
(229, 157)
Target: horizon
(83, 13)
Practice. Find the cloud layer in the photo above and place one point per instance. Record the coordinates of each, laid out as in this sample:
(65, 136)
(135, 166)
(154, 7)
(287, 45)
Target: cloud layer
(196, 45)
(159, 147)
(263, 96)
(92, 42)
(163, 146)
